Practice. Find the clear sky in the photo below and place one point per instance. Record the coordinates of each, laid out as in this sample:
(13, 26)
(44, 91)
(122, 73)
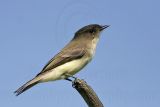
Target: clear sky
(125, 71)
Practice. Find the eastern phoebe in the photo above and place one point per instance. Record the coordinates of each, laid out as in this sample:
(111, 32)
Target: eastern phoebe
(71, 59)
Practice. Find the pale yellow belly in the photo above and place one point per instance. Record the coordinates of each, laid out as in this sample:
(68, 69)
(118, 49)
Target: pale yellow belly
(71, 68)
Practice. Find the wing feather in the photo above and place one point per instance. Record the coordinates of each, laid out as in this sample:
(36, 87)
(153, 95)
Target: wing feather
(63, 57)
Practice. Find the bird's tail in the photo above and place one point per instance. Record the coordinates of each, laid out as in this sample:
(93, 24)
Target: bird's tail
(26, 86)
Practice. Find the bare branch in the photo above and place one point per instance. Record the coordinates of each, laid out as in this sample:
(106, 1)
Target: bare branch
(87, 93)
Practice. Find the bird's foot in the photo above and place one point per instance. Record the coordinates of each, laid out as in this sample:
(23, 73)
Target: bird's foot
(69, 75)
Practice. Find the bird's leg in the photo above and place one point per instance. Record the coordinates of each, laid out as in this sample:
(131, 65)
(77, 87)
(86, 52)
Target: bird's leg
(69, 75)
(68, 79)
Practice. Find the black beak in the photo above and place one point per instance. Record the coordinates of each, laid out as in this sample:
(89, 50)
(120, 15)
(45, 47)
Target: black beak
(104, 27)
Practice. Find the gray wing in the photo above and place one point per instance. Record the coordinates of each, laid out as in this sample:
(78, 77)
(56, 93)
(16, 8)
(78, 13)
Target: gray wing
(63, 57)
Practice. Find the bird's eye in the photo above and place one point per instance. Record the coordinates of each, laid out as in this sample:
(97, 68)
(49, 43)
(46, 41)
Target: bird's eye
(92, 31)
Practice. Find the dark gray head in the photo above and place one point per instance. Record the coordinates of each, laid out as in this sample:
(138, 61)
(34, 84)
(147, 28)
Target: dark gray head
(90, 31)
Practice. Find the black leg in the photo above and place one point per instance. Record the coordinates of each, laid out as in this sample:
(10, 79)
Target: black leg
(68, 79)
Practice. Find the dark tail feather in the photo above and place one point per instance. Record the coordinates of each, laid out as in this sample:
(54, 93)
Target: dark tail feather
(26, 86)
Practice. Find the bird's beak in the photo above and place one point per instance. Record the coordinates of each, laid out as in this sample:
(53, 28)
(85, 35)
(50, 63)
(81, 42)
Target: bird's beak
(104, 27)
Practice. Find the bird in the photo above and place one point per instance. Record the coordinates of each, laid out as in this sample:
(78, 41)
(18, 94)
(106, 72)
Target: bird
(71, 59)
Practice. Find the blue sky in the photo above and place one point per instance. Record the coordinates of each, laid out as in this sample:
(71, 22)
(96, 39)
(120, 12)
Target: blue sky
(125, 71)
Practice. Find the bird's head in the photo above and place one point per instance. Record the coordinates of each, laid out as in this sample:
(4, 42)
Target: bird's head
(90, 31)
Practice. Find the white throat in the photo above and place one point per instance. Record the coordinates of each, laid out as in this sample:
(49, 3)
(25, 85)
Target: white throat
(94, 44)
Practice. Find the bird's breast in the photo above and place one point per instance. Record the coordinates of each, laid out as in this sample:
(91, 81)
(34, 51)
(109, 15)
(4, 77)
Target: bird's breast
(74, 66)
(93, 46)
